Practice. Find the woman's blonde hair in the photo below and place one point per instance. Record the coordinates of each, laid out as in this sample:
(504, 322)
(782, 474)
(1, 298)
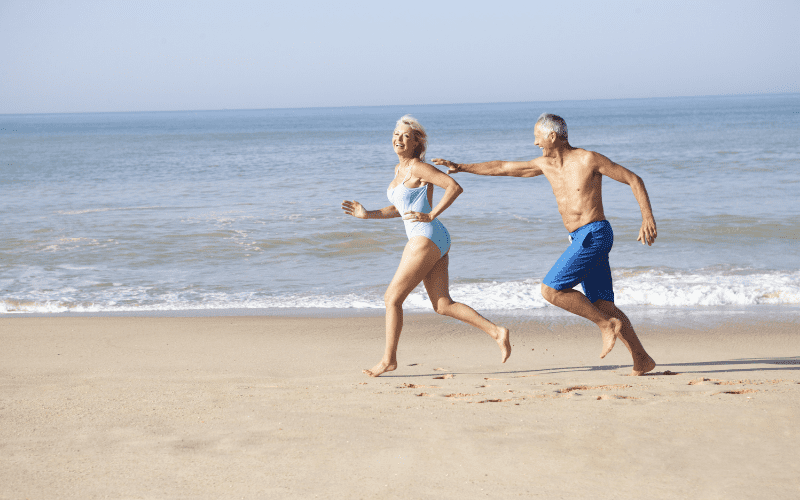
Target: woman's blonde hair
(419, 134)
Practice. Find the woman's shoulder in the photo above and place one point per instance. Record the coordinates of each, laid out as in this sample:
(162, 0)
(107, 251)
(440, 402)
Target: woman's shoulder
(419, 168)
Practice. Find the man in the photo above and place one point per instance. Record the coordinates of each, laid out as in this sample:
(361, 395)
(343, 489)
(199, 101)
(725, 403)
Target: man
(576, 178)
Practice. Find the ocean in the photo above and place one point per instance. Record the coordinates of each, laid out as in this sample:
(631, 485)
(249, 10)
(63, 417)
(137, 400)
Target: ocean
(214, 211)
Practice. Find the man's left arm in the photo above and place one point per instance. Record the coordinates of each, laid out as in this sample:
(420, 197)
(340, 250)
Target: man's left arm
(647, 233)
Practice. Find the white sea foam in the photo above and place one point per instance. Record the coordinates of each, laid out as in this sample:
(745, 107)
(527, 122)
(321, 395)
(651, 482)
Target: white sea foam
(720, 289)
(637, 288)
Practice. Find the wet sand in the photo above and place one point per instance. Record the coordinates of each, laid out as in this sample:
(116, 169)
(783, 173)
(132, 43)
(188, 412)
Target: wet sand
(277, 407)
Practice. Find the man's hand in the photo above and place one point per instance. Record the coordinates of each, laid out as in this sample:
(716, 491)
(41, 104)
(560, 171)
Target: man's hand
(355, 209)
(648, 233)
(452, 168)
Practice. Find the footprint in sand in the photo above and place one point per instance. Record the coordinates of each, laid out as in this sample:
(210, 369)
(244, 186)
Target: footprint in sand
(716, 381)
(590, 387)
(613, 396)
(415, 386)
(446, 375)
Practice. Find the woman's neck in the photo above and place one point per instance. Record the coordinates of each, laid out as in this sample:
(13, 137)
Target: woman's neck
(405, 162)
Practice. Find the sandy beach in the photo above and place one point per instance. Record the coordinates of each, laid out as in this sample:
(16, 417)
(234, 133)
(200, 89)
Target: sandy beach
(277, 407)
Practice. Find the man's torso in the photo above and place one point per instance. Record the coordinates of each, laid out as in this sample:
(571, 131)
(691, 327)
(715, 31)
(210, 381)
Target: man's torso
(577, 186)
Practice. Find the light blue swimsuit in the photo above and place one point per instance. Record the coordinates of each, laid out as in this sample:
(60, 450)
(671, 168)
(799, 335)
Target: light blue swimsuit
(416, 199)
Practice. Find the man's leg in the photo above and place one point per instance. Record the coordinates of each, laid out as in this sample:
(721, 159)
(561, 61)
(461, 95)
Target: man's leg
(642, 362)
(577, 303)
(585, 261)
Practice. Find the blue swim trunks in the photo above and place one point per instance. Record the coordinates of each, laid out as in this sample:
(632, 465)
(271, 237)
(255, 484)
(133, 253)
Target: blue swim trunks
(585, 261)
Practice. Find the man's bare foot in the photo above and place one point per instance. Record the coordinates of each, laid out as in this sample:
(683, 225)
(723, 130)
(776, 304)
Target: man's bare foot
(643, 366)
(504, 341)
(380, 368)
(610, 335)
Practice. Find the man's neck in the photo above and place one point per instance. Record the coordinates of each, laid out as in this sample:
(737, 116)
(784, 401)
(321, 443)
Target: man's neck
(559, 151)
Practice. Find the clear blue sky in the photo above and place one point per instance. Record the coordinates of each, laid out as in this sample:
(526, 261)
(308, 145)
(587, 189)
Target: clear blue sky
(81, 55)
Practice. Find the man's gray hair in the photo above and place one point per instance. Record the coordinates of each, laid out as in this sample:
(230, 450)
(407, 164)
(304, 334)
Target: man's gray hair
(553, 123)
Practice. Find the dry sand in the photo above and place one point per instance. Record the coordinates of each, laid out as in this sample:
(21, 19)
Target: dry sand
(270, 407)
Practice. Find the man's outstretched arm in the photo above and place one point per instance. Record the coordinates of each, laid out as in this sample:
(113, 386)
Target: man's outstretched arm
(648, 232)
(497, 167)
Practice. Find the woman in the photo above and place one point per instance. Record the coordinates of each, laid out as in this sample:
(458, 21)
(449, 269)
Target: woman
(425, 257)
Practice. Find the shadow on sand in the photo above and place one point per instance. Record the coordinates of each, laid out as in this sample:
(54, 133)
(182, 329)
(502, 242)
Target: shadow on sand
(666, 369)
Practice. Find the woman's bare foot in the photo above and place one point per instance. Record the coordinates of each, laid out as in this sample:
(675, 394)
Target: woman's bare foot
(610, 335)
(642, 366)
(380, 368)
(504, 341)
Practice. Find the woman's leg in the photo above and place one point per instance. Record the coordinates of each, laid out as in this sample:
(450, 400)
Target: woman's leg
(419, 256)
(437, 283)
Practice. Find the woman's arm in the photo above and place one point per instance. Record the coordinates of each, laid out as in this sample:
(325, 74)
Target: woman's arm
(430, 174)
(355, 209)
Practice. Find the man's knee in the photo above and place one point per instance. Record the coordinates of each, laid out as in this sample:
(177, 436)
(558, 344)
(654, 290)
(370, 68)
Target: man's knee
(549, 293)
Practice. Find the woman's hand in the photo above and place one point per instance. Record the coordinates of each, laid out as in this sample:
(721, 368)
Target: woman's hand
(417, 216)
(354, 208)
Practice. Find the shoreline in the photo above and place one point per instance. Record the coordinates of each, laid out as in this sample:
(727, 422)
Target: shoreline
(649, 314)
(277, 407)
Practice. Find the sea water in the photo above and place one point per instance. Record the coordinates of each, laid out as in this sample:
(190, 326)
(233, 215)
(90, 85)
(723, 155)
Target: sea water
(233, 210)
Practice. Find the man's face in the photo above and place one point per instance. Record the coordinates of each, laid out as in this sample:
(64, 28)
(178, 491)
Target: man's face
(542, 139)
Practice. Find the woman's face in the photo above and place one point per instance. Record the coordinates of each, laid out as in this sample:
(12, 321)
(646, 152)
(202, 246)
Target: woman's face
(404, 141)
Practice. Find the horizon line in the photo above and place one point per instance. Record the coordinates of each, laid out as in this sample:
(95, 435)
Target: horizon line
(752, 94)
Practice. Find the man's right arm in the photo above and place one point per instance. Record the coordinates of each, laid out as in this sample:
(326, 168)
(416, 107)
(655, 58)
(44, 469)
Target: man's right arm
(497, 167)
